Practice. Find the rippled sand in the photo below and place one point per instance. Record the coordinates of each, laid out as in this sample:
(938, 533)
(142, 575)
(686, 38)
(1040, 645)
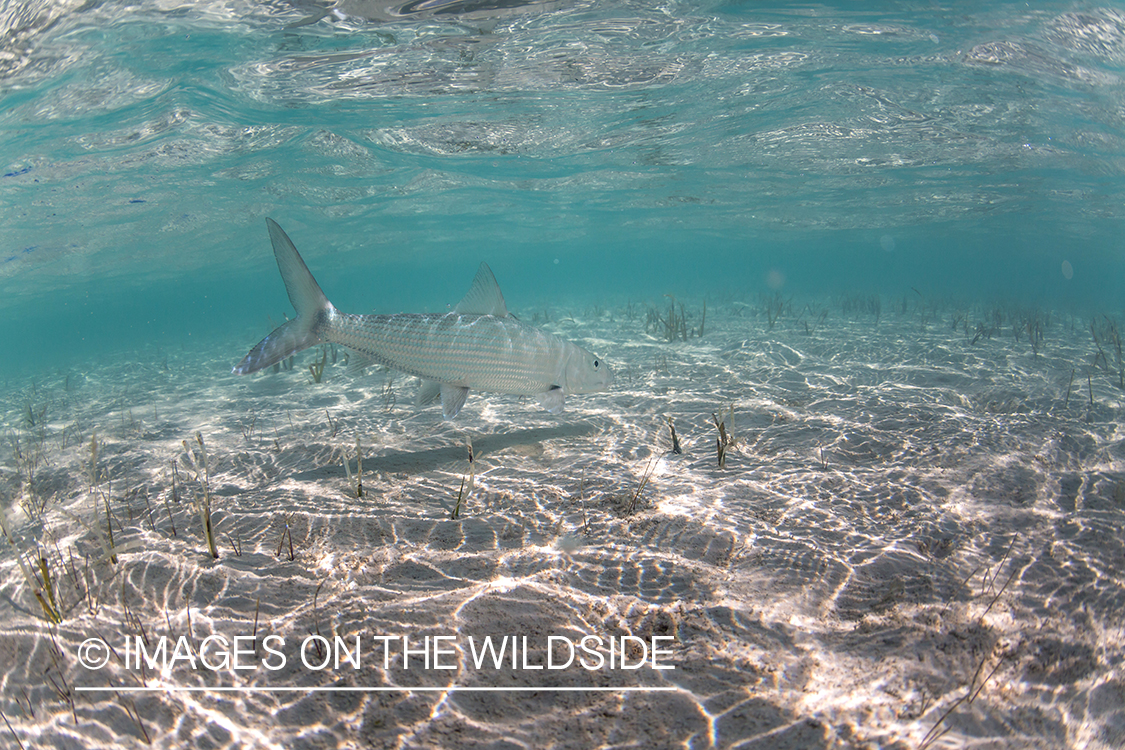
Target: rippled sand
(916, 541)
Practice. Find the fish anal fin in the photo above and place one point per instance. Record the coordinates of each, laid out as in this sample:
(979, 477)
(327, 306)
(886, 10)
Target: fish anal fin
(553, 400)
(484, 296)
(452, 399)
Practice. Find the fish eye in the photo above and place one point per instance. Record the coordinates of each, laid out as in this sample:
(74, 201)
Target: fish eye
(595, 363)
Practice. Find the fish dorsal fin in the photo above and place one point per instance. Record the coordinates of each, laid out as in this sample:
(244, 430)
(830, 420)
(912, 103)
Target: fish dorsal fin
(484, 297)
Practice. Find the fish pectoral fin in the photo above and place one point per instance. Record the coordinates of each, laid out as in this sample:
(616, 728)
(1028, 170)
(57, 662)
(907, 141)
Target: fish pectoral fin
(428, 392)
(452, 399)
(552, 400)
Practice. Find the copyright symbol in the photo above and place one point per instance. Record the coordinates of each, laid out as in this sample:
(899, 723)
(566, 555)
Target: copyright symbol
(93, 653)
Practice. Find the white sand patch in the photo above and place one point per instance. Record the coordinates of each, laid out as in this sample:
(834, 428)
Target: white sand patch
(916, 541)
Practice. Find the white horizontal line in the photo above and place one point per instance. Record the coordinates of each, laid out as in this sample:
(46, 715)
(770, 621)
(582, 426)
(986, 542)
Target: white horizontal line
(381, 689)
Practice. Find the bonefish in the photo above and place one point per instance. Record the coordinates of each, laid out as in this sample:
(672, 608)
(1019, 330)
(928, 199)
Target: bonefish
(477, 346)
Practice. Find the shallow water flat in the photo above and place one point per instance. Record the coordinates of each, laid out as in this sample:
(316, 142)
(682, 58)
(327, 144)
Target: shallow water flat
(897, 501)
(865, 257)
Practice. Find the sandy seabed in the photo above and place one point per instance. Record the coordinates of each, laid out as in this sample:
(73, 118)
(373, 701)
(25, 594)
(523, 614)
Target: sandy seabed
(918, 540)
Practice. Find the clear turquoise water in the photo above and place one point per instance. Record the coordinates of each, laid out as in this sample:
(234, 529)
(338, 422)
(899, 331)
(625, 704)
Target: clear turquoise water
(599, 150)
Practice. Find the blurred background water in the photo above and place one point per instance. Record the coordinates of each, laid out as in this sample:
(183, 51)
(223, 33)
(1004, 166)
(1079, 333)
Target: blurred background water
(587, 150)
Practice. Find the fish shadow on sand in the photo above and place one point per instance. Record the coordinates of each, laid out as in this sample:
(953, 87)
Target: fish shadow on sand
(416, 462)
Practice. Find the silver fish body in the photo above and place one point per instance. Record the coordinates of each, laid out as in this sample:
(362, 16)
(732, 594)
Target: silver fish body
(478, 346)
(482, 352)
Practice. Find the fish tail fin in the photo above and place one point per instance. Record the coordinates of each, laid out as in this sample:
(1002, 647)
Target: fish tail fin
(312, 307)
